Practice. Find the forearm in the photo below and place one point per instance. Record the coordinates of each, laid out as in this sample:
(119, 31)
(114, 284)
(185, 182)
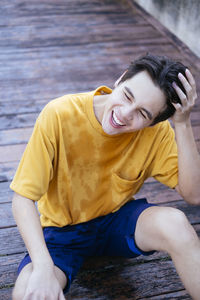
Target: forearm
(28, 222)
(188, 163)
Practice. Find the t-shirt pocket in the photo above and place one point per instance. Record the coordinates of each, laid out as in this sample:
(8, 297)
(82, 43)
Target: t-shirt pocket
(123, 189)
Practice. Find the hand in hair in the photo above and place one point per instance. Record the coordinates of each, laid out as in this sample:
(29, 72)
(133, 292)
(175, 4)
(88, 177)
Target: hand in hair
(182, 114)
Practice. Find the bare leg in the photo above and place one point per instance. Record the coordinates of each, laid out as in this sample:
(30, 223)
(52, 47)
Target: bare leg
(167, 229)
(22, 280)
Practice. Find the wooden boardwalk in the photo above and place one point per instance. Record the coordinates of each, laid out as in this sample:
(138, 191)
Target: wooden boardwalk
(50, 48)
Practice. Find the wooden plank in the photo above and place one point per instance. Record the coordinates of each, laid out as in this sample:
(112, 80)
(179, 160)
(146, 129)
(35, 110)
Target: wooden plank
(5, 293)
(64, 72)
(94, 268)
(11, 153)
(4, 188)
(129, 279)
(180, 295)
(6, 217)
(15, 136)
(17, 121)
(50, 35)
(66, 19)
(48, 8)
(21, 107)
(54, 63)
(6, 193)
(7, 171)
(8, 269)
(11, 241)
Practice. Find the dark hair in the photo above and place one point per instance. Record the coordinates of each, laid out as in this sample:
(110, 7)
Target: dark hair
(163, 71)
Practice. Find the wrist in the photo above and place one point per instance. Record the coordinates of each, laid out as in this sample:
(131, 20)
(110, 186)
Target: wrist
(183, 124)
(43, 263)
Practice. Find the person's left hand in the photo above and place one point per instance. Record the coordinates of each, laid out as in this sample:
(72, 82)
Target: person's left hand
(182, 113)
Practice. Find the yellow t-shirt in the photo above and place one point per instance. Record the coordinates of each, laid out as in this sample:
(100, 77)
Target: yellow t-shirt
(77, 172)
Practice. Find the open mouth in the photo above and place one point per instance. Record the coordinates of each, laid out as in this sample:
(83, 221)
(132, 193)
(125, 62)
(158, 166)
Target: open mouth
(115, 122)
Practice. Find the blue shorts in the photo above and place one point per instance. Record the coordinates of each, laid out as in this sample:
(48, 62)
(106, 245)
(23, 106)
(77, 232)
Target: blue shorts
(110, 235)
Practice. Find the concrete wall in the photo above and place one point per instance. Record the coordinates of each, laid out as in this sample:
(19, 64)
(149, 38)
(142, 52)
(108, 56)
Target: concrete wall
(182, 17)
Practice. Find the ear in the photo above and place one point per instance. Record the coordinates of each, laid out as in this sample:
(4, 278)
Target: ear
(118, 80)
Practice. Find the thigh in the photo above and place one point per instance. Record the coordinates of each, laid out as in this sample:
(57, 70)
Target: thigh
(120, 234)
(68, 247)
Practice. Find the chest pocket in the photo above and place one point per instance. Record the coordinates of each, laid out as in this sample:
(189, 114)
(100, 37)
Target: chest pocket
(123, 189)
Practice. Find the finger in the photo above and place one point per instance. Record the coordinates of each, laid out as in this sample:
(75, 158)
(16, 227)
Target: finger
(180, 93)
(193, 83)
(186, 85)
(178, 107)
(190, 78)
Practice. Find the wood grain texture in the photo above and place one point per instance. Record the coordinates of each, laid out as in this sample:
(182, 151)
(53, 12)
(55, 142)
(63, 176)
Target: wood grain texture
(48, 49)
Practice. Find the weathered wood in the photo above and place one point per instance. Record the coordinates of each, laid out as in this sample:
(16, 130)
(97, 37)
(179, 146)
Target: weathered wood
(15, 136)
(17, 121)
(7, 171)
(5, 192)
(180, 295)
(8, 269)
(11, 153)
(61, 73)
(11, 241)
(128, 280)
(50, 49)
(6, 217)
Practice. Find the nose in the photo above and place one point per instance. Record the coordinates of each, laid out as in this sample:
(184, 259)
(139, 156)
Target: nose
(128, 112)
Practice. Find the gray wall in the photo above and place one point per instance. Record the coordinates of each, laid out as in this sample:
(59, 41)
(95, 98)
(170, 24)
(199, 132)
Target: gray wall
(182, 17)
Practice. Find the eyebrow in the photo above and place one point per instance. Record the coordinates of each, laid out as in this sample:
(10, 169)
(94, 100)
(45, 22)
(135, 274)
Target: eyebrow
(149, 115)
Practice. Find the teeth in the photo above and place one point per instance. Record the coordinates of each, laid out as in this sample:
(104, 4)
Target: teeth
(117, 121)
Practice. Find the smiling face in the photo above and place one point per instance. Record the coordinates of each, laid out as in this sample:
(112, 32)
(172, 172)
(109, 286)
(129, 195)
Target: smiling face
(131, 106)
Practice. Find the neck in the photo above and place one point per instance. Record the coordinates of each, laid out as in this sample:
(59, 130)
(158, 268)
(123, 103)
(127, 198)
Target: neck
(99, 103)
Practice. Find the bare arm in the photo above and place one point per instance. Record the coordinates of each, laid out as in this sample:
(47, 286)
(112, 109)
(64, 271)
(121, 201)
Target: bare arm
(43, 281)
(188, 156)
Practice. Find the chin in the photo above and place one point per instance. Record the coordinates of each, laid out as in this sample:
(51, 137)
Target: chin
(108, 130)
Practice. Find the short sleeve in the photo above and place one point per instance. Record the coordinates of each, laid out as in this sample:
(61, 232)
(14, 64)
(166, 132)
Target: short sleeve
(165, 162)
(35, 169)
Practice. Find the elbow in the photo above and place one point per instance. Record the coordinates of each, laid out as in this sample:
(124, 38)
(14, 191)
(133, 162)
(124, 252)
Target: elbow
(193, 199)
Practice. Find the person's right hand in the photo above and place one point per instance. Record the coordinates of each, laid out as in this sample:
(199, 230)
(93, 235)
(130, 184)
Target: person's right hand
(43, 285)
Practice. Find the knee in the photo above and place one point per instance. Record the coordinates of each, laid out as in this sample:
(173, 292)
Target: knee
(175, 229)
(18, 293)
